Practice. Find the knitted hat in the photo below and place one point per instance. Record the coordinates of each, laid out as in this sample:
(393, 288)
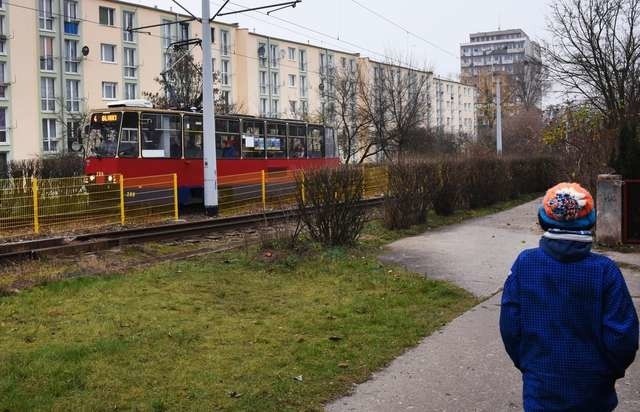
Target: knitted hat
(567, 206)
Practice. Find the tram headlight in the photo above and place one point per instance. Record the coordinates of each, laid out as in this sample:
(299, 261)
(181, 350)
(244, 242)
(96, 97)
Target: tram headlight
(92, 178)
(110, 179)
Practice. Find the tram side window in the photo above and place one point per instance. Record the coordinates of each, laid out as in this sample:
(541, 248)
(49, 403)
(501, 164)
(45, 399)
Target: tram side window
(276, 140)
(228, 140)
(129, 136)
(297, 141)
(193, 137)
(253, 140)
(161, 137)
(316, 141)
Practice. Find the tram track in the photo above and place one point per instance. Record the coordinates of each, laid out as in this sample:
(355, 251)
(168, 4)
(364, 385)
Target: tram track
(94, 242)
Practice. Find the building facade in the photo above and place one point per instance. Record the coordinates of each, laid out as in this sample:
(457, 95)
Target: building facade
(494, 51)
(59, 59)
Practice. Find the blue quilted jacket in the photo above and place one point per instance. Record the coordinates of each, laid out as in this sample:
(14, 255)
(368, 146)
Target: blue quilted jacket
(568, 323)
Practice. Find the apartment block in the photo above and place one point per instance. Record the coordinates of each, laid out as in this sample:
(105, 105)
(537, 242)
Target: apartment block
(60, 59)
(453, 107)
(496, 51)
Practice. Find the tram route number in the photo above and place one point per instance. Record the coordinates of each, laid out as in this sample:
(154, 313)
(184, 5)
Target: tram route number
(130, 195)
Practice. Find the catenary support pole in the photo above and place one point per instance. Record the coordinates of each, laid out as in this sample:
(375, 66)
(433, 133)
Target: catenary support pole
(208, 118)
(498, 117)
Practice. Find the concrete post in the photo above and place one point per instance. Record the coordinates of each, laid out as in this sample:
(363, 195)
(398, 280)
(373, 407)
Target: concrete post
(609, 210)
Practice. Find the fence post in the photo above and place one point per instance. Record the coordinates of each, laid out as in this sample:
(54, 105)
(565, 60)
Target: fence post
(36, 217)
(175, 195)
(364, 181)
(264, 190)
(122, 216)
(302, 189)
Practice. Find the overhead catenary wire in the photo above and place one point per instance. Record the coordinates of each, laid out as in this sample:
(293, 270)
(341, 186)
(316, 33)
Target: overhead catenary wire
(387, 58)
(409, 32)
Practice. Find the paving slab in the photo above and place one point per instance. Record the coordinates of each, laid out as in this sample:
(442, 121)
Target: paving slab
(463, 366)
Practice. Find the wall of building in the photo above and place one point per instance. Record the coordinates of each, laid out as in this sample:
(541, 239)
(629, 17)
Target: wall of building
(138, 60)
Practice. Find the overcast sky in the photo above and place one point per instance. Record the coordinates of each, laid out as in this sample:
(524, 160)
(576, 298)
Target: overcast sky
(445, 23)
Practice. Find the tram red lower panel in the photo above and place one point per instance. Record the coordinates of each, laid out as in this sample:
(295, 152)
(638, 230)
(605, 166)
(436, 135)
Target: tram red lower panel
(191, 172)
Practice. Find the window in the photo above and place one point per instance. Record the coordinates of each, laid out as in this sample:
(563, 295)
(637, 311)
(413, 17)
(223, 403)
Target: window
(263, 82)
(292, 54)
(127, 23)
(273, 53)
(70, 10)
(3, 129)
(224, 73)
(3, 34)
(2, 7)
(184, 31)
(161, 135)
(108, 53)
(107, 16)
(224, 47)
(47, 94)
(352, 66)
(303, 60)
(262, 54)
(130, 91)
(73, 130)
(303, 86)
(129, 62)
(46, 53)
(109, 90)
(263, 107)
(213, 35)
(305, 107)
(167, 37)
(72, 95)
(292, 80)
(293, 106)
(45, 14)
(49, 135)
(3, 77)
(71, 61)
(276, 109)
(323, 62)
(343, 62)
(275, 84)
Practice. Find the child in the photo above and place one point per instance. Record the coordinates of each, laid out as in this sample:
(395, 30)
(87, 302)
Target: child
(567, 320)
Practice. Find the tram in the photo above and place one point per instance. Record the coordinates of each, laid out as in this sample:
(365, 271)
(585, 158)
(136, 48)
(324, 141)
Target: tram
(134, 139)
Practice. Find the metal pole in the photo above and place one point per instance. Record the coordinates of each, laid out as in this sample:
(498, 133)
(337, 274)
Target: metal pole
(208, 118)
(498, 118)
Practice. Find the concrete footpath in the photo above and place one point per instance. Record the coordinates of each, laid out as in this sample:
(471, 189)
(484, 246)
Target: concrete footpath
(463, 367)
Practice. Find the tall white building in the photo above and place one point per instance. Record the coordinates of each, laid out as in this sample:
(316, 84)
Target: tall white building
(496, 51)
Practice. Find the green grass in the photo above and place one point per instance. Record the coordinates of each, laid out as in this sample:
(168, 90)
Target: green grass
(227, 331)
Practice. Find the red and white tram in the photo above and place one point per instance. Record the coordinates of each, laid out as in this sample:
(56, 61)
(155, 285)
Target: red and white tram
(141, 141)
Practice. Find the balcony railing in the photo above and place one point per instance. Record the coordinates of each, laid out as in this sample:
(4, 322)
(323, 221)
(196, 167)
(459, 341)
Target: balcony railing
(71, 27)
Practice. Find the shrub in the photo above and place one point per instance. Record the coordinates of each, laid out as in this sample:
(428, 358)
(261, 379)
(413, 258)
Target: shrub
(329, 204)
(409, 193)
(55, 166)
(489, 181)
(448, 191)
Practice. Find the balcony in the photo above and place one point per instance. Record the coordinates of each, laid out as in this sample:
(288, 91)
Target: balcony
(71, 27)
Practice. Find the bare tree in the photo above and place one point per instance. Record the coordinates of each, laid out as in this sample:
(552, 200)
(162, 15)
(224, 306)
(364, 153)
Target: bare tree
(596, 54)
(181, 86)
(529, 83)
(351, 122)
(396, 103)
(180, 83)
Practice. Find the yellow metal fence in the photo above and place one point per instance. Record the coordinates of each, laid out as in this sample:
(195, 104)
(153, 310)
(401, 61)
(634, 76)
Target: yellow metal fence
(72, 204)
(30, 205)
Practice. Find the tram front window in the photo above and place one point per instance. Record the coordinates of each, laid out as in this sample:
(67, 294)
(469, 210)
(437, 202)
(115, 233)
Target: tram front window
(103, 134)
(129, 136)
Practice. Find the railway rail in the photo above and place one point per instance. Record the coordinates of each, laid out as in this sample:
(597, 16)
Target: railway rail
(105, 240)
